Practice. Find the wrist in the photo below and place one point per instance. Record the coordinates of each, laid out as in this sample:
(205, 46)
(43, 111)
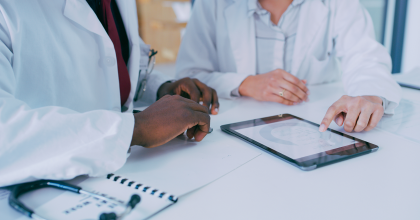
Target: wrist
(134, 139)
(137, 131)
(374, 99)
(243, 88)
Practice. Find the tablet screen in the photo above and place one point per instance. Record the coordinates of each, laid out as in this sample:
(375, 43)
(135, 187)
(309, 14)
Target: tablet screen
(295, 138)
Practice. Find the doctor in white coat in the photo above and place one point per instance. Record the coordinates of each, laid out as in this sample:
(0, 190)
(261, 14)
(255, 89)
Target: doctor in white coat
(61, 113)
(271, 49)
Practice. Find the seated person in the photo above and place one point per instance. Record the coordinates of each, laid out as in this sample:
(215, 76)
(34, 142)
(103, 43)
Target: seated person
(68, 74)
(271, 50)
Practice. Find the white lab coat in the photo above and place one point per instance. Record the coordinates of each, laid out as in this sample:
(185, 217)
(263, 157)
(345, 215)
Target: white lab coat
(60, 113)
(218, 48)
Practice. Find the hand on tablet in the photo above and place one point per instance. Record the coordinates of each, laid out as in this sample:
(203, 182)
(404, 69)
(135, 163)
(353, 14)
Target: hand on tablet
(192, 89)
(275, 86)
(361, 113)
(167, 118)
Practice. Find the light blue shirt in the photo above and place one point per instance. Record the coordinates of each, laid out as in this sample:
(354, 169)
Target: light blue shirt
(274, 42)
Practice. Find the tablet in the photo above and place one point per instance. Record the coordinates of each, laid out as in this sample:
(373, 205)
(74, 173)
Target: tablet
(298, 141)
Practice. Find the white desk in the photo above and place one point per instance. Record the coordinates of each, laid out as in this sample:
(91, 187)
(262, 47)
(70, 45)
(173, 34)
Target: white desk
(381, 185)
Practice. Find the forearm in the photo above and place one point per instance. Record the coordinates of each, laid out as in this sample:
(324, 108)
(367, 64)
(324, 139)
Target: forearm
(59, 143)
(366, 63)
(375, 84)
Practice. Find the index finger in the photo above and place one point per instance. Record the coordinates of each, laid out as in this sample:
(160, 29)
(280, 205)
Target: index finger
(215, 103)
(201, 126)
(330, 115)
(196, 107)
(293, 79)
(190, 87)
(206, 92)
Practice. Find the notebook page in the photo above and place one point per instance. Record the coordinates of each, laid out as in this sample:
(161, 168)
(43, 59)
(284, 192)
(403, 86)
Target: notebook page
(70, 206)
(185, 165)
(178, 167)
(5, 211)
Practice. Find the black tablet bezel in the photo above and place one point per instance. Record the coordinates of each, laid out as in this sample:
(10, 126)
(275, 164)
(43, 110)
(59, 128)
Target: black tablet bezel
(309, 162)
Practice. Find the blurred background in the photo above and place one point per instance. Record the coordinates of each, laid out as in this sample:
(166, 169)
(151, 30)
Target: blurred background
(162, 24)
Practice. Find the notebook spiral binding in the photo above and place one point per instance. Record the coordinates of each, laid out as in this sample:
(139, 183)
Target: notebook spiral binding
(144, 188)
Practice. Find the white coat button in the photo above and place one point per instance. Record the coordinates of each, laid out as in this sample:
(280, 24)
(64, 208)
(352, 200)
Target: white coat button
(110, 61)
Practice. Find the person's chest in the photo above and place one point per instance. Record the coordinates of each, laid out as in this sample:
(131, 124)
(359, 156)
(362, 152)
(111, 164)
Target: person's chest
(62, 58)
(275, 41)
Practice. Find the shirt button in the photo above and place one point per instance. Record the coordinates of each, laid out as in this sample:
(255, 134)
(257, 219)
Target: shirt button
(109, 61)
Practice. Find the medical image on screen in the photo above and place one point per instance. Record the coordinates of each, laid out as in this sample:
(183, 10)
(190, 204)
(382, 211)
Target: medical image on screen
(295, 138)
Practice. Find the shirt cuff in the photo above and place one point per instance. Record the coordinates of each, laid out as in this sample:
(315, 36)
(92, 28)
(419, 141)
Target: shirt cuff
(235, 92)
(388, 106)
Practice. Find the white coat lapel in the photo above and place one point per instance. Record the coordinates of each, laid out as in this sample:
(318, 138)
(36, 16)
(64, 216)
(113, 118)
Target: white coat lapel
(128, 11)
(80, 12)
(241, 28)
(312, 14)
(129, 14)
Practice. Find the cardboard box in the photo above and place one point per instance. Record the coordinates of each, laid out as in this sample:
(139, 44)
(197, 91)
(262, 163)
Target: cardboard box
(161, 27)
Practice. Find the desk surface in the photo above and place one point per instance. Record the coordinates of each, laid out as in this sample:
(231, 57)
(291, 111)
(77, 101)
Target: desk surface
(381, 185)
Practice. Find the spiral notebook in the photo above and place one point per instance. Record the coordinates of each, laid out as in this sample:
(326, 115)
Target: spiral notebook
(119, 188)
(156, 174)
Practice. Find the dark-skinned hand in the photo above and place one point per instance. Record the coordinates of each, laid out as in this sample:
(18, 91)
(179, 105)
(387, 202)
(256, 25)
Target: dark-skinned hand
(167, 118)
(192, 89)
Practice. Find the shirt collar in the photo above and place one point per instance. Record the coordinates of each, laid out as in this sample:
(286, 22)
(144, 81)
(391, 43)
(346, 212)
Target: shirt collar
(255, 7)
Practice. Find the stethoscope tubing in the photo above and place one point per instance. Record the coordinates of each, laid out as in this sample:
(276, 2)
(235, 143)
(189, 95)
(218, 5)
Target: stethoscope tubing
(21, 189)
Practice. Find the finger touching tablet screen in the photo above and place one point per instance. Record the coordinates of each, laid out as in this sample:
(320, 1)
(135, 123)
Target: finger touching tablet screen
(298, 141)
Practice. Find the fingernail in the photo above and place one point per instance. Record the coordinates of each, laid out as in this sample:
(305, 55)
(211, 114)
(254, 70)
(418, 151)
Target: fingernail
(338, 121)
(216, 110)
(321, 128)
(295, 103)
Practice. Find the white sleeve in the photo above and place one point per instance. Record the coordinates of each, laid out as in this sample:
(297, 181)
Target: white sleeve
(366, 63)
(53, 142)
(198, 55)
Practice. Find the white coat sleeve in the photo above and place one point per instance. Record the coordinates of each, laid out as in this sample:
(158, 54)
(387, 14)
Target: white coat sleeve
(53, 142)
(198, 55)
(366, 64)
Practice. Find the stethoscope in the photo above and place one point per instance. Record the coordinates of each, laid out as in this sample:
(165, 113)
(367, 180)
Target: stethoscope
(21, 189)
